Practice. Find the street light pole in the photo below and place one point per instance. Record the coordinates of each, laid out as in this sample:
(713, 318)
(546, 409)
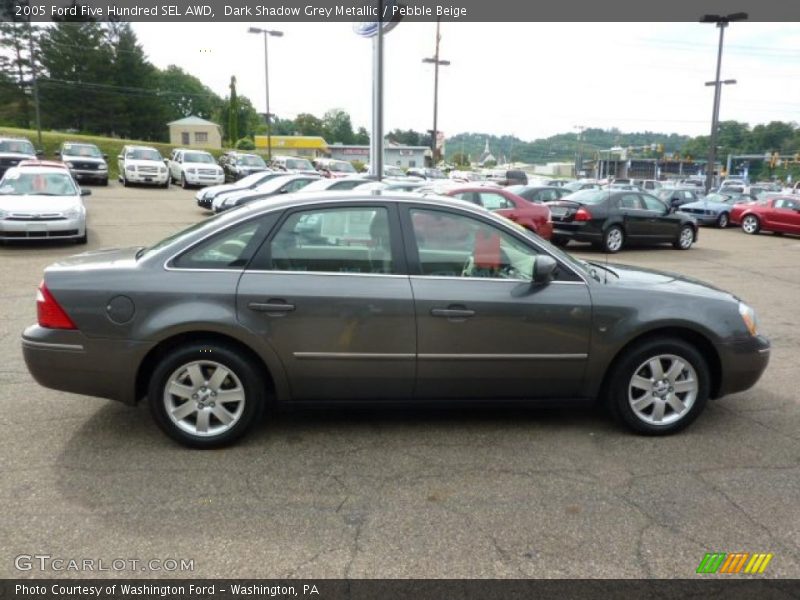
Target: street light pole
(579, 157)
(266, 33)
(721, 22)
(35, 86)
(436, 62)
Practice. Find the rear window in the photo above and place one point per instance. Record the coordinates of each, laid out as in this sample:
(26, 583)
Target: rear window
(588, 197)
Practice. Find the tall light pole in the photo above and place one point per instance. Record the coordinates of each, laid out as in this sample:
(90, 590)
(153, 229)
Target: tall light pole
(267, 33)
(436, 62)
(35, 86)
(579, 149)
(721, 22)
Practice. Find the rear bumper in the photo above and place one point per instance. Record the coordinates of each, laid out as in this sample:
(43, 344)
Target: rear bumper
(743, 364)
(69, 361)
(575, 231)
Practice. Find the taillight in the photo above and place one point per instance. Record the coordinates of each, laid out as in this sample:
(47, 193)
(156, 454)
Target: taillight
(583, 215)
(49, 311)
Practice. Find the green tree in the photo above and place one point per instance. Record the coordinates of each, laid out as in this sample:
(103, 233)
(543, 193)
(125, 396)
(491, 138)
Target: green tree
(15, 68)
(184, 95)
(361, 137)
(233, 113)
(337, 127)
(307, 124)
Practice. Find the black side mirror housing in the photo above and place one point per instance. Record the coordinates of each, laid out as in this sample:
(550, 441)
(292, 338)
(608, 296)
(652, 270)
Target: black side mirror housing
(85, 192)
(544, 267)
(40, 153)
(105, 156)
(57, 153)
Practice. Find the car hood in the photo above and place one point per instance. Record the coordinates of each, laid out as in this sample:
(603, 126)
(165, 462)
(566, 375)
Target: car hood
(38, 204)
(664, 281)
(17, 155)
(97, 259)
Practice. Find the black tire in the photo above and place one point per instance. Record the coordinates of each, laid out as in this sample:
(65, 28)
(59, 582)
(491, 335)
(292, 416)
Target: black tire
(125, 181)
(751, 225)
(104, 182)
(723, 220)
(613, 239)
(233, 360)
(620, 395)
(559, 241)
(184, 185)
(685, 238)
(166, 183)
(84, 239)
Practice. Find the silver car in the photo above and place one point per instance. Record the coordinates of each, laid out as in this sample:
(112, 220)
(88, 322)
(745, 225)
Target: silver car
(350, 297)
(39, 201)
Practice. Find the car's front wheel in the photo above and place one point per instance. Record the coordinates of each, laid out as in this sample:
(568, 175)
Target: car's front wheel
(751, 224)
(659, 386)
(613, 239)
(723, 220)
(206, 395)
(184, 183)
(685, 238)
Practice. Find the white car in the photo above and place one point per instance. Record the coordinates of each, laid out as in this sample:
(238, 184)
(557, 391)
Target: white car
(285, 184)
(142, 164)
(40, 200)
(339, 184)
(206, 195)
(194, 168)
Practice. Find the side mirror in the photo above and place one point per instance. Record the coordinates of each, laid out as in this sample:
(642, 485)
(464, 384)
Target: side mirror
(56, 153)
(40, 153)
(119, 156)
(85, 192)
(105, 156)
(543, 268)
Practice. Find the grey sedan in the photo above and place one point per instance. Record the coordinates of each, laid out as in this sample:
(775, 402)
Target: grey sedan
(319, 298)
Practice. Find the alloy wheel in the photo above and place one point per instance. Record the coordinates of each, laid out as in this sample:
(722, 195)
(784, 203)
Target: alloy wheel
(204, 398)
(686, 238)
(663, 389)
(614, 239)
(750, 224)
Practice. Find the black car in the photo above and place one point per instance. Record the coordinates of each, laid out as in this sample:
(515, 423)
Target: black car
(538, 194)
(13, 151)
(610, 219)
(509, 177)
(237, 165)
(85, 161)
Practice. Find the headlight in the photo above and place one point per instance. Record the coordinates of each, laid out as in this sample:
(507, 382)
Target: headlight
(130, 168)
(162, 170)
(69, 164)
(192, 171)
(103, 167)
(749, 318)
(3, 214)
(229, 202)
(72, 213)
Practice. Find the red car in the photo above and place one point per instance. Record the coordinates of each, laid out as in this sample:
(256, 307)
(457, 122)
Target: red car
(780, 214)
(535, 217)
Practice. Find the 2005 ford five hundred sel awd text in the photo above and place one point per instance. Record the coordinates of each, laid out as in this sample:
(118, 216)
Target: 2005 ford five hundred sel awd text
(319, 298)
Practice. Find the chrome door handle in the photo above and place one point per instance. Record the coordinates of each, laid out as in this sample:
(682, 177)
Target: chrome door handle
(452, 313)
(271, 307)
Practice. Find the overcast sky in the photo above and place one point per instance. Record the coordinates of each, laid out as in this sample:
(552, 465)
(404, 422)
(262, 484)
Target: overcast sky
(526, 79)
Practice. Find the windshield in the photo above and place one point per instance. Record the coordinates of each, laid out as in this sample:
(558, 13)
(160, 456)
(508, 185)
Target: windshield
(250, 160)
(144, 154)
(87, 150)
(198, 157)
(341, 167)
(17, 183)
(18, 147)
(588, 197)
(299, 163)
(573, 186)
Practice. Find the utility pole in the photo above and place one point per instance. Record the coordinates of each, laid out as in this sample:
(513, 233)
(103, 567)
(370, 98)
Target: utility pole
(436, 62)
(266, 33)
(35, 86)
(721, 23)
(579, 154)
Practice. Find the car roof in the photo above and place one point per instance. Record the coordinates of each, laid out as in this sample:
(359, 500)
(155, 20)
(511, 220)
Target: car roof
(137, 147)
(40, 167)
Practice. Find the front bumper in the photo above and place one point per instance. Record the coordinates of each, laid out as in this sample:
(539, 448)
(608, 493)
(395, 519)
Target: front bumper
(41, 229)
(152, 178)
(743, 362)
(68, 361)
(196, 179)
(702, 219)
(85, 175)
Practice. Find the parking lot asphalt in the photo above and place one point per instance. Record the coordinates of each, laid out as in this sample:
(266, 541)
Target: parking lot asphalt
(503, 493)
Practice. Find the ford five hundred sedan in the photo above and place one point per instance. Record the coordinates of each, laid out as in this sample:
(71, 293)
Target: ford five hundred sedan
(381, 298)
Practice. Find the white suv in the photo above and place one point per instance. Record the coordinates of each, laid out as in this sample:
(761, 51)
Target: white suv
(142, 164)
(194, 167)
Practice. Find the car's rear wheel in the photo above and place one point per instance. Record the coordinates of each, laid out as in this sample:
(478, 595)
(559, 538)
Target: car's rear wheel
(613, 239)
(751, 224)
(723, 220)
(206, 395)
(659, 386)
(559, 241)
(84, 238)
(685, 238)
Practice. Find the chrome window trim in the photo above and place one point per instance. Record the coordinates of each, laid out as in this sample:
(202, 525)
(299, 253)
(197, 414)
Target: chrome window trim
(345, 197)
